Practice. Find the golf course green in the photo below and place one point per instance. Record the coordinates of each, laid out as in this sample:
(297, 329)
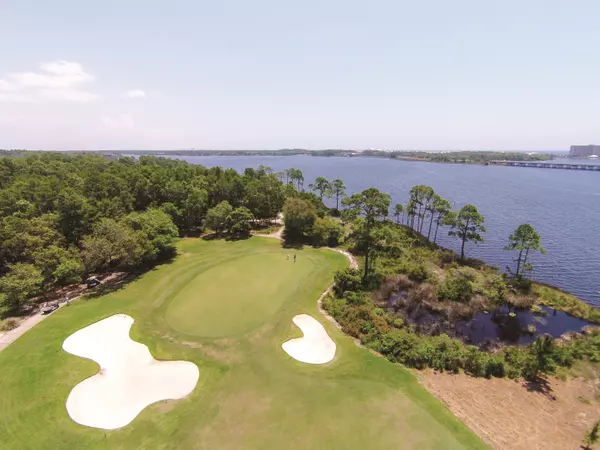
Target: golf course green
(227, 307)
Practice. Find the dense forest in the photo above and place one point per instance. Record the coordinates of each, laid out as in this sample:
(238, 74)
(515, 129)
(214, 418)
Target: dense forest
(65, 216)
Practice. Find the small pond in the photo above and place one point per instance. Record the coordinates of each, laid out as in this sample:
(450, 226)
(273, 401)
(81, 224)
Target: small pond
(486, 328)
(517, 330)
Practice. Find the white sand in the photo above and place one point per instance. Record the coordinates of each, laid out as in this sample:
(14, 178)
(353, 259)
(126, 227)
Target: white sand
(316, 347)
(129, 378)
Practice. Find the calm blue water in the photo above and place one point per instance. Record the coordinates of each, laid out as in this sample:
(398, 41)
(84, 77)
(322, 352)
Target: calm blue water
(499, 326)
(563, 205)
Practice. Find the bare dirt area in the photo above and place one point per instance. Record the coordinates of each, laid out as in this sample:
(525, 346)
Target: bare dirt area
(510, 414)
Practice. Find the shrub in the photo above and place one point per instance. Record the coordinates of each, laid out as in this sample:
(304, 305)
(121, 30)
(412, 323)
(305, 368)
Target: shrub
(418, 272)
(459, 285)
(495, 287)
(347, 280)
(334, 306)
(356, 298)
(372, 280)
(447, 257)
(475, 362)
(9, 324)
(495, 366)
(524, 285)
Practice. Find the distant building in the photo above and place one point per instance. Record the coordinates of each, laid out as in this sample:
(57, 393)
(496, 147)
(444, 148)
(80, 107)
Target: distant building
(583, 151)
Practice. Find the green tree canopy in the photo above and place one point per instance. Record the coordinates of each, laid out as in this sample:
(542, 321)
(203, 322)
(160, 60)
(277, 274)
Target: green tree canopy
(366, 209)
(420, 198)
(441, 209)
(338, 189)
(524, 240)
(299, 217)
(113, 244)
(467, 225)
(239, 221)
(157, 228)
(20, 283)
(327, 231)
(322, 186)
(398, 210)
(216, 218)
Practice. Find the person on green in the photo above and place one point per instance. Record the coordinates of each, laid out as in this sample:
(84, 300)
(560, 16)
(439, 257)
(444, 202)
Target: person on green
(294, 257)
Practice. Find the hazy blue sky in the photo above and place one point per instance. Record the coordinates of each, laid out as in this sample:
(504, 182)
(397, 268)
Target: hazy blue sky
(422, 74)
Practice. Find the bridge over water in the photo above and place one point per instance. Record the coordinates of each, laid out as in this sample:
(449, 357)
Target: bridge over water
(549, 165)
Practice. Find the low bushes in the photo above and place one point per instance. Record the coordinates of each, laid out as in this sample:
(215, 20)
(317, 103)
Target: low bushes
(9, 324)
(352, 306)
(347, 280)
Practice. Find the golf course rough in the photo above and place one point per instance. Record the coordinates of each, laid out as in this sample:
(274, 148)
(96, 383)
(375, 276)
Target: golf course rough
(250, 394)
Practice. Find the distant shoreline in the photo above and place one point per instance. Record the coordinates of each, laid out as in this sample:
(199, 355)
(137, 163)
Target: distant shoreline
(466, 157)
(446, 157)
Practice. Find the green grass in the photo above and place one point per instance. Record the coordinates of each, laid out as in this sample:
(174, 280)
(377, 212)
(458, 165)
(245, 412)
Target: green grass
(241, 293)
(251, 394)
(554, 298)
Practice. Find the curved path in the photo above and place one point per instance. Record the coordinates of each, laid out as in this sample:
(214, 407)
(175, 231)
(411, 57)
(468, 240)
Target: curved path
(353, 265)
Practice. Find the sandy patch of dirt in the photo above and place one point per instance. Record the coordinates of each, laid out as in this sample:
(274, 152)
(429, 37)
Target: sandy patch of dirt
(510, 414)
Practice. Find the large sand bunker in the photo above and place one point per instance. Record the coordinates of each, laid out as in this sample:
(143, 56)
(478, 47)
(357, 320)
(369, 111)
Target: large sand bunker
(316, 347)
(129, 378)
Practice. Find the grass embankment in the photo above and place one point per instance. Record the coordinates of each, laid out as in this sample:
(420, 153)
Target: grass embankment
(250, 394)
(562, 301)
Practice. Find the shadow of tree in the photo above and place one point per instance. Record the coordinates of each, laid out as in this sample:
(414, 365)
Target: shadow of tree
(105, 289)
(292, 245)
(541, 386)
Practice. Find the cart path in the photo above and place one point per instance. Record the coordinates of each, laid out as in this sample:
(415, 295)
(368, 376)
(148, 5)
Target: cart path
(11, 336)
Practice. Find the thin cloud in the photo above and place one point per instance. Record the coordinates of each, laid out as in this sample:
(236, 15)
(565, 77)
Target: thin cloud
(120, 122)
(55, 81)
(11, 118)
(135, 93)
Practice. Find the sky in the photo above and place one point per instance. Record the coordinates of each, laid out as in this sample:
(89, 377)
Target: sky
(262, 74)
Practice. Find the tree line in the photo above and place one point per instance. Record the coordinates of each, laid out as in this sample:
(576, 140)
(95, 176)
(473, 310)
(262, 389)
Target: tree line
(368, 211)
(63, 216)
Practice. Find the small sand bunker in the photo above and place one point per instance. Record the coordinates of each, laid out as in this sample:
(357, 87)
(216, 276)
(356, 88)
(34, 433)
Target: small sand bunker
(316, 347)
(129, 378)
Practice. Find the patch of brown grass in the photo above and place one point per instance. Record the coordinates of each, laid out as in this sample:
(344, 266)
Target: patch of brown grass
(390, 286)
(513, 416)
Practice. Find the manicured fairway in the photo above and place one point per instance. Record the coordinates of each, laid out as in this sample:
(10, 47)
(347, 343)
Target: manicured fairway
(227, 307)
